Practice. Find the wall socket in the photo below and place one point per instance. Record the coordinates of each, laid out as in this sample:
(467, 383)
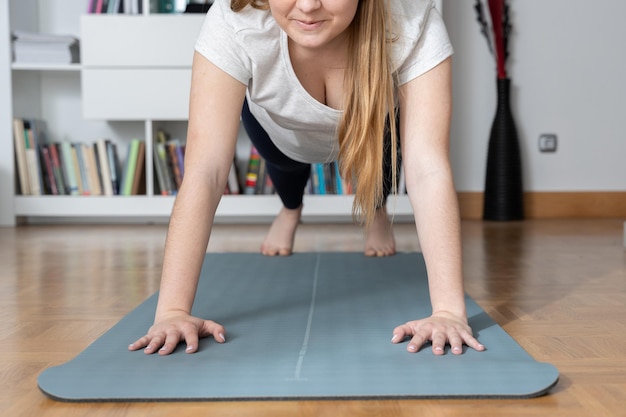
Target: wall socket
(547, 142)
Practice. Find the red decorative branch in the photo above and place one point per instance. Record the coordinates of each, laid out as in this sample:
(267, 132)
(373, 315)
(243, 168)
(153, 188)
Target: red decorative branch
(496, 8)
(501, 28)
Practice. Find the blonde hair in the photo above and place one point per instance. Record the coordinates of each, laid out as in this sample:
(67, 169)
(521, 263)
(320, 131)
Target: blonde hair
(367, 104)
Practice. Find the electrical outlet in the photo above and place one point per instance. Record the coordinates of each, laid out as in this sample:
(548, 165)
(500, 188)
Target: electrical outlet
(547, 142)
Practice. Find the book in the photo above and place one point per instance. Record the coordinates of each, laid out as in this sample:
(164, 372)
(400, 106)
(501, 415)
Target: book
(103, 166)
(67, 166)
(159, 168)
(32, 164)
(113, 6)
(35, 47)
(132, 6)
(167, 6)
(34, 136)
(175, 150)
(339, 189)
(164, 174)
(320, 179)
(76, 168)
(129, 170)
(114, 164)
(58, 169)
(252, 173)
(82, 168)
(91, 167)
(139, 178)
(50, 180)
(260, 179)
(20, 156)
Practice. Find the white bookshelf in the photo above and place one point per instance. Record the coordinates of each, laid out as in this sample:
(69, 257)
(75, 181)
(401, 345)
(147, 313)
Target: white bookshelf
(81, 102)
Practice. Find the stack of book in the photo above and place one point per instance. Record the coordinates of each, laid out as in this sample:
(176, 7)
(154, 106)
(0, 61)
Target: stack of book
(137, 6)
(32, 47)
(324, 179)
(115, 6)
(169, 166)
(67, 168)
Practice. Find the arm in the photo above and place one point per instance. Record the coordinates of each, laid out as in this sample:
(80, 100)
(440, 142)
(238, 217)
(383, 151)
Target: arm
(214, 111)
(425, 112)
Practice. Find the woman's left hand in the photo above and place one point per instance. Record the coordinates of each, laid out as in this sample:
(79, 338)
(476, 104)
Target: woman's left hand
(440, 329)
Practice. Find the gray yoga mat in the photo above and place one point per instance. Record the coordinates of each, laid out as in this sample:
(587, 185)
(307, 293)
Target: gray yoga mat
(308, 326)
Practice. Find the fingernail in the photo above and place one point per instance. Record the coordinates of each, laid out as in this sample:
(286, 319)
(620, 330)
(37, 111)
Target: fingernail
(412, 348)
(132, 345)
(456, 349)
(163, 349)
(189, 348)
(394, 338)
(222, 337)
(438, 349)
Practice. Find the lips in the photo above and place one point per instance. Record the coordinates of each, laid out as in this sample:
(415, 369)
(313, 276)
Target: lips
(308, 24)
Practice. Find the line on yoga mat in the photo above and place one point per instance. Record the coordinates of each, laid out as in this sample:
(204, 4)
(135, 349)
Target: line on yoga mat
(307, 332)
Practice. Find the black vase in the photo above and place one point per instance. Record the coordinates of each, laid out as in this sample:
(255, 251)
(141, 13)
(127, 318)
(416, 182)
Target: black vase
(504, 193)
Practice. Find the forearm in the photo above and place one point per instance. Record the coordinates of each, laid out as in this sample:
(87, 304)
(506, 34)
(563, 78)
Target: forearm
(187, 240)
(438, 226)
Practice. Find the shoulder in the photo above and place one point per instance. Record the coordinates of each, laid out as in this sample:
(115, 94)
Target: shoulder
(238, 42)
(410, 16)
(420, 38)
(248, 19)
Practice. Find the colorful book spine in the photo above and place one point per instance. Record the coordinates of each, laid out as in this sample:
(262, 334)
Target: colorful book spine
(139, 177)
(68, 168)
(91, 166)
(58, 169)
(131, 163)
(47, 161)
(252, 174)
(103, 166)
(338, 179)
(20, 155)
(76, 168)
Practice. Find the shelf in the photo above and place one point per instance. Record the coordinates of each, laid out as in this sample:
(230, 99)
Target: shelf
(231, 208)
(21, 66)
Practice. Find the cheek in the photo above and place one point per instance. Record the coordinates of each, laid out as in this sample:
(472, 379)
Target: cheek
(279, 16)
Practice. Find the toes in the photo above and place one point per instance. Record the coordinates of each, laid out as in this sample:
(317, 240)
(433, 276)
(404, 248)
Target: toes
(275, 251)
(379, 252)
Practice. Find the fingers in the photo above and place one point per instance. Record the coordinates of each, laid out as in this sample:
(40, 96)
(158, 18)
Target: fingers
(165, 341)
(474, 344)
(419, 336)
(211, 328)
(439, 334)
(162, 343)
(139, 343)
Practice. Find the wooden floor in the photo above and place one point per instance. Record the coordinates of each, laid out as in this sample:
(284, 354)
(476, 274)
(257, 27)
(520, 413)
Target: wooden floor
(557, 286)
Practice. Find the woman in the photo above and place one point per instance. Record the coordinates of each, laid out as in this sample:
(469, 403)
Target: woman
(316, 80)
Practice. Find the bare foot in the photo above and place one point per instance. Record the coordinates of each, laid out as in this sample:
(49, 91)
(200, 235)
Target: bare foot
(279, 239)
(379, 240)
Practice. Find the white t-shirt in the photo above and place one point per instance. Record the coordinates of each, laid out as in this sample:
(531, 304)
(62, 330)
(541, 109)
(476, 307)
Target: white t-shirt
(251, 47)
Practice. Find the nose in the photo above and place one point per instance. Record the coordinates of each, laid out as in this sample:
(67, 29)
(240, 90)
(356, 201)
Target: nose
(307, 6)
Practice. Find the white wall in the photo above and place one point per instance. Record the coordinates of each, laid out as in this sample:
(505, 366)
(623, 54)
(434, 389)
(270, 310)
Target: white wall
(568, 71)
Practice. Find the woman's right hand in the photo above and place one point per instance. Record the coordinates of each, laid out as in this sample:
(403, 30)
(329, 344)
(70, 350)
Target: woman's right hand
(170, 329)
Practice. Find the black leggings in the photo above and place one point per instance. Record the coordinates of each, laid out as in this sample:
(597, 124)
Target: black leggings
(290, 177)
